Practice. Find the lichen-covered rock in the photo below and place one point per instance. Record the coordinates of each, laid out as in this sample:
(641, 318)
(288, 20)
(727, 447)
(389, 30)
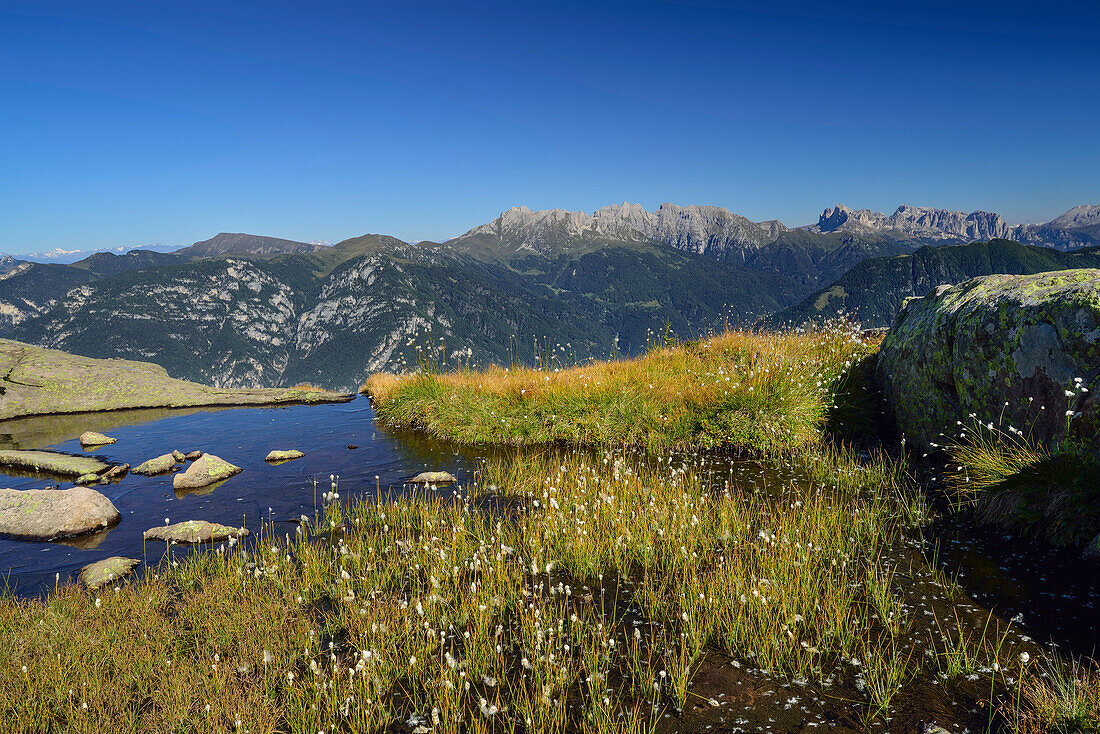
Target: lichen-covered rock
(87, 479)
(157, 465)
(179, 456)
(94, 438)
(49, 514)
(1024, 350)
(52, 462)
(195, 531)
(101, 573)
(432, 477)
(281, 456)
(204, 471)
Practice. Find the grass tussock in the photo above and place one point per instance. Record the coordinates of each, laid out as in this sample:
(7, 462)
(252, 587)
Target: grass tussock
(587, 600)
(740, 389)
(1010, 480)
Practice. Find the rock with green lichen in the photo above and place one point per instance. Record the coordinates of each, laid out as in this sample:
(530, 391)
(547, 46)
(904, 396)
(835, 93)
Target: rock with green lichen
(86, 479)
(94, 438)
(101, 573)
(280, 456)
(1022, 351)
(50, 514)
(52, 462)
(179, 456)
(157, 465)
(194, 531)
(204, 471)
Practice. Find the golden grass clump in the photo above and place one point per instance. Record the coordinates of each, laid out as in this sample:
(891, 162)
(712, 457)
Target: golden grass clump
(759, 391)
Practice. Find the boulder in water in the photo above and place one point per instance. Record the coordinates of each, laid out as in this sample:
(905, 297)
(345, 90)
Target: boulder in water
(157, 465)
(94, 438)
(195, 531)
(49, 514)
(193, 455)
(204, 471)
(101, 573)
(179, 456)
(116, 472)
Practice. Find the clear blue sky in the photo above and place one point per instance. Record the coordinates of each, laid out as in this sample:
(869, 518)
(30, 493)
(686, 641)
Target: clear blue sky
(130, 123)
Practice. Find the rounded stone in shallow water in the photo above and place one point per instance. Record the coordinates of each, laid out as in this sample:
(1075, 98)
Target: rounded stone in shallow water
(287, 455)
(206, 470)
(158, 465)
(433, 477)
(49, 514)
(94, 438)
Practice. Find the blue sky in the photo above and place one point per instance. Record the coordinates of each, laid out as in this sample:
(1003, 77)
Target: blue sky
(131, 123)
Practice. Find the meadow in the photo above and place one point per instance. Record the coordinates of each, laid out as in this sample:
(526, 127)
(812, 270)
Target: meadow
(675, 543)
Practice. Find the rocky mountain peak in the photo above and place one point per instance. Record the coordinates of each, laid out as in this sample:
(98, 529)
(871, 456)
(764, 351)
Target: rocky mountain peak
(1085, 215)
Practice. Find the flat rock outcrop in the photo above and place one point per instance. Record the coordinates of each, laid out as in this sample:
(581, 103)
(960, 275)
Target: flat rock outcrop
(52, 462)
(1024, 350)
(50, 514)
(204, 471)
(195, 531)
(40, 381)
(101, 573)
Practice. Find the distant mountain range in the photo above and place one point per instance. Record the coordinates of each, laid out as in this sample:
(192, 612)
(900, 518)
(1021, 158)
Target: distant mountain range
(1079, 227)
(242, 310)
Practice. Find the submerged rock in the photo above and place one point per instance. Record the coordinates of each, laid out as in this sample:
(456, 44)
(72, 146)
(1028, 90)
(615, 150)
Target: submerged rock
(195, 531)
(52, 462)
(432, 477)
(284, 455)
(205, 470)
(93, 438)
(1020, 350)
(157, 465)
(101, 573)
(49, 514)
(116, 472)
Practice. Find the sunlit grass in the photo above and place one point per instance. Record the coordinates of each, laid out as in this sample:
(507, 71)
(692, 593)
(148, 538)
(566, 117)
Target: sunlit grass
(739, 389)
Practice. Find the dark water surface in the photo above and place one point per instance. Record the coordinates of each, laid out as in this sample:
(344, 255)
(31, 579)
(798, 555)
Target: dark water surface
(1057, 594)
(242, 436)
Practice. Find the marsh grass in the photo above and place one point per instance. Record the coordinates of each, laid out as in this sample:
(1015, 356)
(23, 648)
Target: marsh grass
(589, 605)
(1062, 696)
(748, 390)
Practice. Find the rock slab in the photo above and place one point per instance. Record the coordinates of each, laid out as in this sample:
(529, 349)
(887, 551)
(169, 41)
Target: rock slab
(195, 531)
(52, 462)
(50, 514)
(1002, 347)
(101, 573)
(204, 471)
